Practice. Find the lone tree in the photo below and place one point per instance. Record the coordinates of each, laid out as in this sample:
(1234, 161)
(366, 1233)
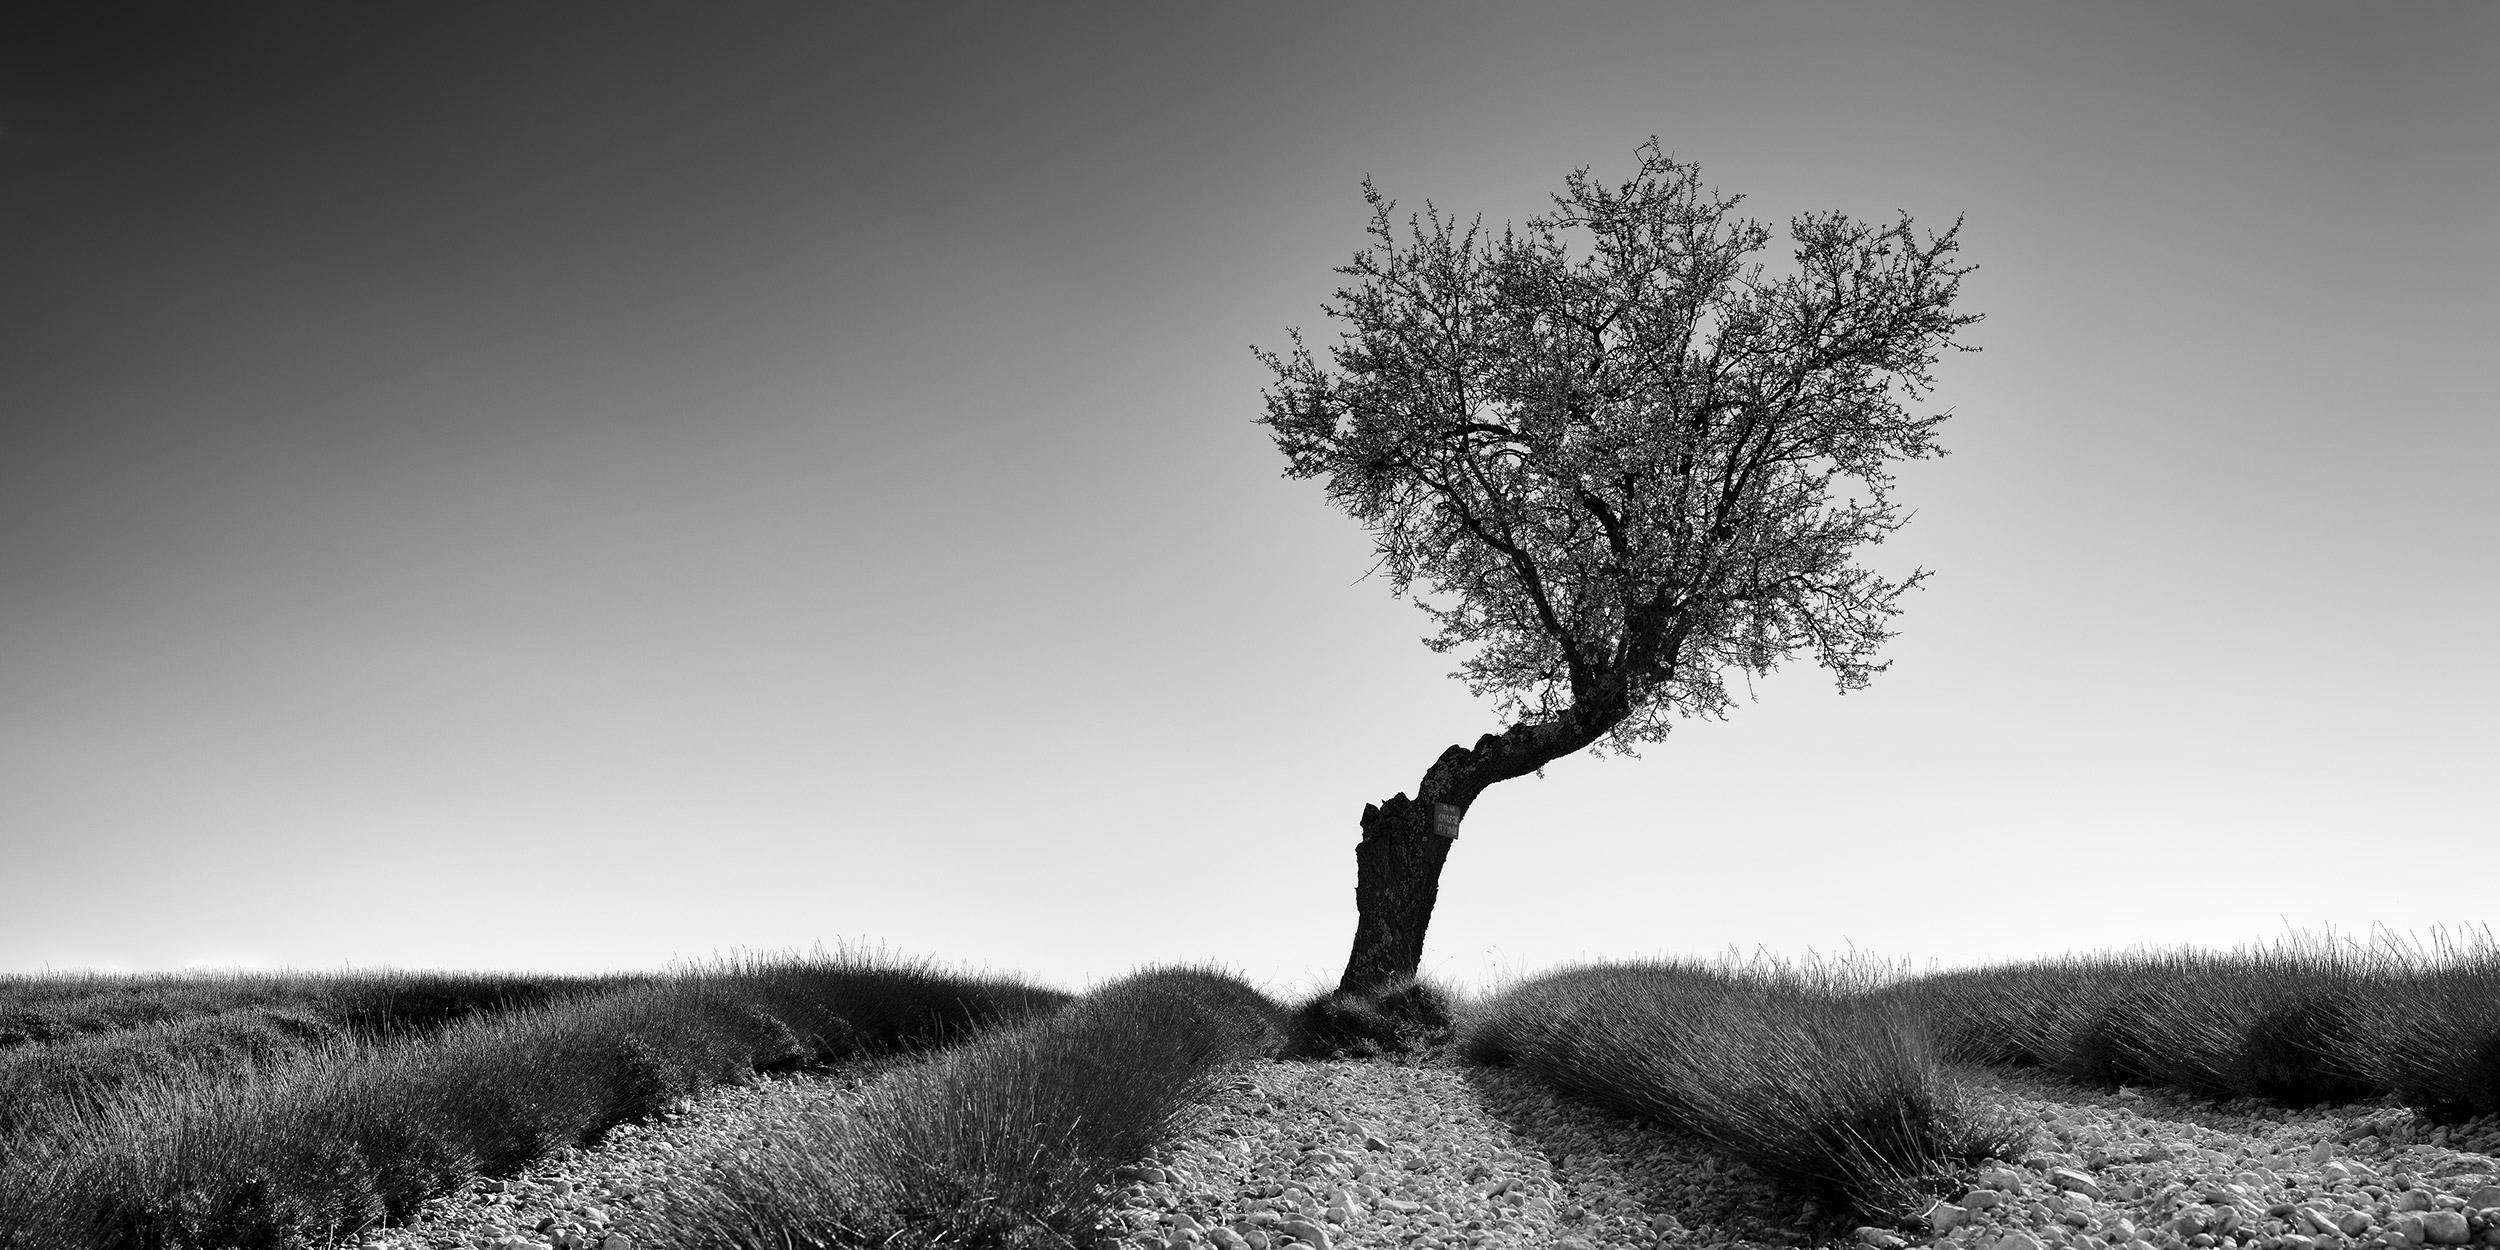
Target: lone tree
(1612, 474)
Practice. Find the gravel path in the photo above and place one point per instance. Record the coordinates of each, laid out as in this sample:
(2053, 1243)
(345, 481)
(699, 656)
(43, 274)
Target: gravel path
(1364, 1154)
(1352, 1155)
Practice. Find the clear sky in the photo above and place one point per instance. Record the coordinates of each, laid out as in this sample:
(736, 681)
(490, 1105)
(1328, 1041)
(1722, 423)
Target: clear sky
(573, 487)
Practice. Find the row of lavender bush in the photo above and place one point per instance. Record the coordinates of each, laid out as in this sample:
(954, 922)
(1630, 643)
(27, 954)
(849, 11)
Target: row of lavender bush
(314, 1147)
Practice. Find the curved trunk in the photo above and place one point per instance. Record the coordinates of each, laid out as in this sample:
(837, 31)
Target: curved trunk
(1397, 865)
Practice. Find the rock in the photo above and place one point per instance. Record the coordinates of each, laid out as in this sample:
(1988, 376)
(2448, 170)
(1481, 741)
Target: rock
(1306, 1232)
(2353, 1223)
(1983, 1199)
(2075, 1182)
(2018, 1241)
(2414, 1200)
(2315, 1220)
(2484, 1198)
(617, 1241)
(1226, 1239)
(1184, 1222)
(1373, 1142)
(562, 1189)
(2222, 1194)
(2407, 1226)
(1944, 1217)
(2445, 1228)
(2005, 1179)
(2333, 1173)
(2319, 1154)
(1880, 1239)
(1575, 1243)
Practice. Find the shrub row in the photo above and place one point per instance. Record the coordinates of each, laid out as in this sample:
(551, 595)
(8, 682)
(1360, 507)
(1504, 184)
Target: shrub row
(321, 1146)
(1012, 1140)
(67, 1044)
(67, 1083)
(36, 1010)
(2301, 1023)
(1836, 1093)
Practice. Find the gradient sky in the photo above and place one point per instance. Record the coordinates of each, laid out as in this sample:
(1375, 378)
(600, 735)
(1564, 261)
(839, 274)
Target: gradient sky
(576, 487)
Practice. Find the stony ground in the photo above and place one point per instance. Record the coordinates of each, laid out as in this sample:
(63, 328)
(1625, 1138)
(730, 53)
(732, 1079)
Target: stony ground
(1361, 1155)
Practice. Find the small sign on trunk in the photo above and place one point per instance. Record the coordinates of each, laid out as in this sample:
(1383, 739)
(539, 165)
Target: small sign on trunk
(1445, 819)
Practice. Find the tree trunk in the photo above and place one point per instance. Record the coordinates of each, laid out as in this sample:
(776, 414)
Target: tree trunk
(1397, 876)
(1397, 866)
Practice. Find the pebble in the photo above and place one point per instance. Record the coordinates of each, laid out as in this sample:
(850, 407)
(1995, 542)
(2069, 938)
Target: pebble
(2074, 1182)
(2445, 1228)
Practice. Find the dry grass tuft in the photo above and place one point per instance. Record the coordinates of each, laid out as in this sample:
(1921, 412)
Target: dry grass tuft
(1800, 1073)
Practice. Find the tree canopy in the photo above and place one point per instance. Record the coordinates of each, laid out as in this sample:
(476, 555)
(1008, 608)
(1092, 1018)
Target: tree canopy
(1616, 460)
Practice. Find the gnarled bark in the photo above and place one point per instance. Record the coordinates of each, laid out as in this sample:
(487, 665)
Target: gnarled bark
(1397, 877)
(1397, 865)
